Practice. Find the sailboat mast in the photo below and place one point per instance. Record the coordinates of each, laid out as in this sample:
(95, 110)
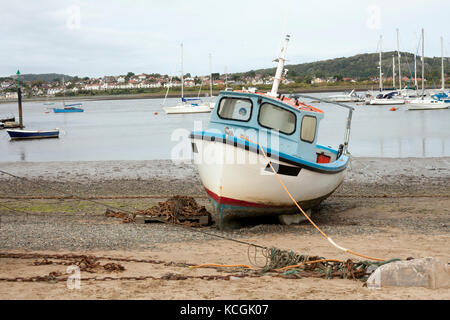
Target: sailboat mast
(442, 64)
(210, 76)
(182, 79)
(423, 63)
(381, 74)
(393, 71)
(415, 61)
(280, 67)
(399, 64)
(64, 92)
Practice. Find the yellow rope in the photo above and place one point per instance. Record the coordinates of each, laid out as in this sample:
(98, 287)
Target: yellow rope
(221, 266)
(307, 262)
(298, 206)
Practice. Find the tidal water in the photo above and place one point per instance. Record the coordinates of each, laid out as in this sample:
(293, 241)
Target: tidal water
(130, 130)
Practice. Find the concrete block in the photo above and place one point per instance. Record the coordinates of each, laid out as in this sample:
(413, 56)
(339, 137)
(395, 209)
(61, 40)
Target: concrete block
(426, 272)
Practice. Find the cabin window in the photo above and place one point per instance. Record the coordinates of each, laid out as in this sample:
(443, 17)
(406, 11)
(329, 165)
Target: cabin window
(235, 109)
(308, 131)
(277, 118)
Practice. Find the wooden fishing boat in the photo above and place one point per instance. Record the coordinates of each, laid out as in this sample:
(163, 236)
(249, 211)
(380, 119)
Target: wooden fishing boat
(246, 130)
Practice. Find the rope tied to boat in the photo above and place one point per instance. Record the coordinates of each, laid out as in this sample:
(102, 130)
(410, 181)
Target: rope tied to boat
(301, 210)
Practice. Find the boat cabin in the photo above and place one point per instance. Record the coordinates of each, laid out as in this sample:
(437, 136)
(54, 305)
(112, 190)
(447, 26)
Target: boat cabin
(281, 124)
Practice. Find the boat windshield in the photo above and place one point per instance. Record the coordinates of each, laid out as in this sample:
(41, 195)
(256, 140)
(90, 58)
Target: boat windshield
(235, 109)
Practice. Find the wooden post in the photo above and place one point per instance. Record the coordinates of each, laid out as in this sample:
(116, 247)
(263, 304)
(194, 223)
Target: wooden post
(19, 99)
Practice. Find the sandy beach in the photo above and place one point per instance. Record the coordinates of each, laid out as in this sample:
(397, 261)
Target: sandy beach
(386, 208)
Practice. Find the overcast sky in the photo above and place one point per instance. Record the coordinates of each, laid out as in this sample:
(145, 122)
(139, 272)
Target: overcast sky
(111, 37)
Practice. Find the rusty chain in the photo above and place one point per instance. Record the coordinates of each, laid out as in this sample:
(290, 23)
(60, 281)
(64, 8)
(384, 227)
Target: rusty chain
(327, 270)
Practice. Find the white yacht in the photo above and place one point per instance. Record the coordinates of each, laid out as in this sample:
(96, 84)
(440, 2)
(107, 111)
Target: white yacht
(346, 97)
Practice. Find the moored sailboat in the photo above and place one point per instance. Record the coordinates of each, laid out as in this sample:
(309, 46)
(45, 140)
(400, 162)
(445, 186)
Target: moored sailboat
(186, 106)
(74, 107)
(20, 133)
(426, 103)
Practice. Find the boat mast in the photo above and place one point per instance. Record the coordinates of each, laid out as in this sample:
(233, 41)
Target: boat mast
(399, 64)
(442, 64)
(393, 71)
(210, 77)
(182, 80)
(415, 61)
(423, 63)
(64, 92)
(381, 74)
(278, 73)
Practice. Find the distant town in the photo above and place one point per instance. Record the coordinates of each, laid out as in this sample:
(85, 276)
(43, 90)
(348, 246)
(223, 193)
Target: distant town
(154, 83)
(356, 72)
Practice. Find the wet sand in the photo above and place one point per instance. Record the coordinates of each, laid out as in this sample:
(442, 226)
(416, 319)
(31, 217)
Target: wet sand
(386, 208)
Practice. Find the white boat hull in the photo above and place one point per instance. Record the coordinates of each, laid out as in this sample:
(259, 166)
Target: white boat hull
(187, 109)
(387, 102)
(344, 99)
(240, 184)
(426, 105)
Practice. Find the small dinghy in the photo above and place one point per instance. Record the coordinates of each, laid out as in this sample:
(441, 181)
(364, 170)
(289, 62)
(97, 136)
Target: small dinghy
(248, 129)
(16, 134)
(76, 107)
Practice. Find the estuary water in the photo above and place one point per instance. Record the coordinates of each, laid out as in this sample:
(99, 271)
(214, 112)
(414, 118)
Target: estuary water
(130, 130)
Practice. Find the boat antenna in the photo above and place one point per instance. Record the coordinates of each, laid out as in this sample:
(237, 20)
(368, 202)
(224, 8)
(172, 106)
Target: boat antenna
(281, 59)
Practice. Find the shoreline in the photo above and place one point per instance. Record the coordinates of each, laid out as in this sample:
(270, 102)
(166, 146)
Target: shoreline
(189, 94)
(173, 95)
(385, 208)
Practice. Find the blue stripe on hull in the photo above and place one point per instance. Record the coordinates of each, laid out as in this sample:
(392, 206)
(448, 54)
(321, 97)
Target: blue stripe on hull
(67, 110)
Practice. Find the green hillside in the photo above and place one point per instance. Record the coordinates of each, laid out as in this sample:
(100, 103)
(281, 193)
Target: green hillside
(361, 66)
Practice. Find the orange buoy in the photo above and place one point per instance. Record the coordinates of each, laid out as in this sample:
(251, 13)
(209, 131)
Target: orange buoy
(392, 109)
(156, 113)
